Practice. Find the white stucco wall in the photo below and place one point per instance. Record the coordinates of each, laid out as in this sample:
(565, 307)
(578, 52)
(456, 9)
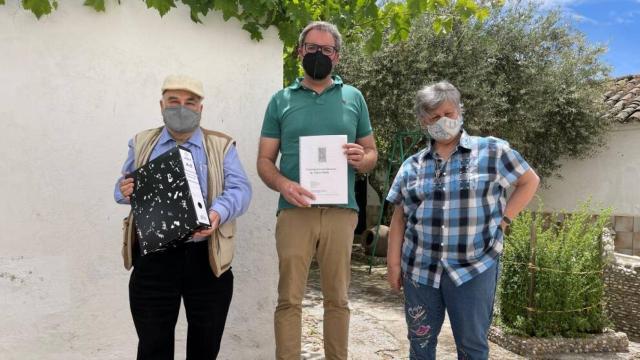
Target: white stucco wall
(611, 177)
(75, 86)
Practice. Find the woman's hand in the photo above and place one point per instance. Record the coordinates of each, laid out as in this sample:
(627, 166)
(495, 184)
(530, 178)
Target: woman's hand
(394, 248)
(394, 277)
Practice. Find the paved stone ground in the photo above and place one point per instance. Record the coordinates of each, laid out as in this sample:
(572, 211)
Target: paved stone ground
(378, 329)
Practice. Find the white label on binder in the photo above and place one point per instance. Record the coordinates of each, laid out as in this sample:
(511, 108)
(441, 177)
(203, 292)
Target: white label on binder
(194, 187)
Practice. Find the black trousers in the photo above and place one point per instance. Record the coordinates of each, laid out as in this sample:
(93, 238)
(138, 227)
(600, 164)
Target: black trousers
(158, 283)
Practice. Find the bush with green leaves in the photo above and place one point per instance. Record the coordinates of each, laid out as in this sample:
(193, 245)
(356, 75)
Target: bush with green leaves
(563, 292)
(525, 76)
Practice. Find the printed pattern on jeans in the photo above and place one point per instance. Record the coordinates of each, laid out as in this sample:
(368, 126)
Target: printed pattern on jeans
(416, 315)
(419, 329)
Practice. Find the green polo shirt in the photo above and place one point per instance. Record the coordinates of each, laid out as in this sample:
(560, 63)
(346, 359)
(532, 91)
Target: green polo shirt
(297, 111)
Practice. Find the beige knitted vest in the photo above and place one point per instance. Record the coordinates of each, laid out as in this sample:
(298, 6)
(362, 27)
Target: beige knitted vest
(221, 242)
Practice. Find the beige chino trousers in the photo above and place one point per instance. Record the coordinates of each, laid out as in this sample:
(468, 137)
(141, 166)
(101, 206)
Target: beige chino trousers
(302, 233)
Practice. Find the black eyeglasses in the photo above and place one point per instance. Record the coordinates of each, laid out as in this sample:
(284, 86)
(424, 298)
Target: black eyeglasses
(326, 49)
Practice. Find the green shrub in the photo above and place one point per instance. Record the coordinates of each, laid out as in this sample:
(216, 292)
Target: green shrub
(566, 295)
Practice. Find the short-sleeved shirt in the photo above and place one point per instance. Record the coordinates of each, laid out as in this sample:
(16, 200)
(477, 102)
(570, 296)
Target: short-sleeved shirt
(297, 111)
(453, 208)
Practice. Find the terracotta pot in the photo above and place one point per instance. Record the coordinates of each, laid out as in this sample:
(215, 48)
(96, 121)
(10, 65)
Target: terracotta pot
(369, 236)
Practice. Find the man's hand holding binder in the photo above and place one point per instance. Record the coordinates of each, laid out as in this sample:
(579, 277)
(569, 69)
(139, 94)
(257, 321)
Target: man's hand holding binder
(126, 188)
(214, 218)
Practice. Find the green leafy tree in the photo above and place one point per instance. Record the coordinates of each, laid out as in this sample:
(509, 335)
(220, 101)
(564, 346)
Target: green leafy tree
(525, 76)
(354, 18)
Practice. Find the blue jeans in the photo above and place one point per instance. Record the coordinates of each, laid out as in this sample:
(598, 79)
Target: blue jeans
(470, 308)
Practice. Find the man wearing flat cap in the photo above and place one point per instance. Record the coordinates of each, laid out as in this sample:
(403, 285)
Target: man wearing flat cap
(199, 270)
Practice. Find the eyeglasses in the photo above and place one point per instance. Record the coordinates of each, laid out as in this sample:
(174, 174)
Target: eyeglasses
(326, 49)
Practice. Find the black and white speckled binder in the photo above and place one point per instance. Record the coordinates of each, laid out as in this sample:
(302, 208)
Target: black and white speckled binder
(167, 202)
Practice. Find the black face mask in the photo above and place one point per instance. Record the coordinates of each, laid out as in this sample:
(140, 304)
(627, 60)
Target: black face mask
(317, 65)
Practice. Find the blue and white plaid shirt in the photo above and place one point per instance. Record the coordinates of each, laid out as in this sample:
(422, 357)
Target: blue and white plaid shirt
(453, 208)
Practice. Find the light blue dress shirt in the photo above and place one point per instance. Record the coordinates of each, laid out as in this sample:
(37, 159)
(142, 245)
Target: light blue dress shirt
(236, 195)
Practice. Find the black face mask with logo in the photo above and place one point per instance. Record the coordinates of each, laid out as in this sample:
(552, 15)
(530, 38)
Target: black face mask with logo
(317, 65)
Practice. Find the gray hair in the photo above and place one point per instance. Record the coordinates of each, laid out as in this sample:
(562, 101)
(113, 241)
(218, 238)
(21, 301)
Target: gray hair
(432, 96)
(322, 26)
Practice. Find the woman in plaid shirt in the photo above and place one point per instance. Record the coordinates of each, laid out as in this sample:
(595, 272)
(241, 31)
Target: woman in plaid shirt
(447, 228)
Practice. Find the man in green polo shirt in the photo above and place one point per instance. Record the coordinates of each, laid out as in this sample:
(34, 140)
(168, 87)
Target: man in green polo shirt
(317, 104)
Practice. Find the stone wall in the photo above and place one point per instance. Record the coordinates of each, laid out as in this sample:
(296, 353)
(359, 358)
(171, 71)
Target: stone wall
(622, 281)
(627, 234)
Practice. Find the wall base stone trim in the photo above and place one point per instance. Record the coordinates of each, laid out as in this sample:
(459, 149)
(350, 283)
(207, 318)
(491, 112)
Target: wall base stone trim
(622, 294)
(552, 348)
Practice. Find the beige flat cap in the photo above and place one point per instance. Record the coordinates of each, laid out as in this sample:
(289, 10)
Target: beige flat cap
(183, 82)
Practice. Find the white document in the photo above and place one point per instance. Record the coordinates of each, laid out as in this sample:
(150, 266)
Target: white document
(323, 168)
(194, 187)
